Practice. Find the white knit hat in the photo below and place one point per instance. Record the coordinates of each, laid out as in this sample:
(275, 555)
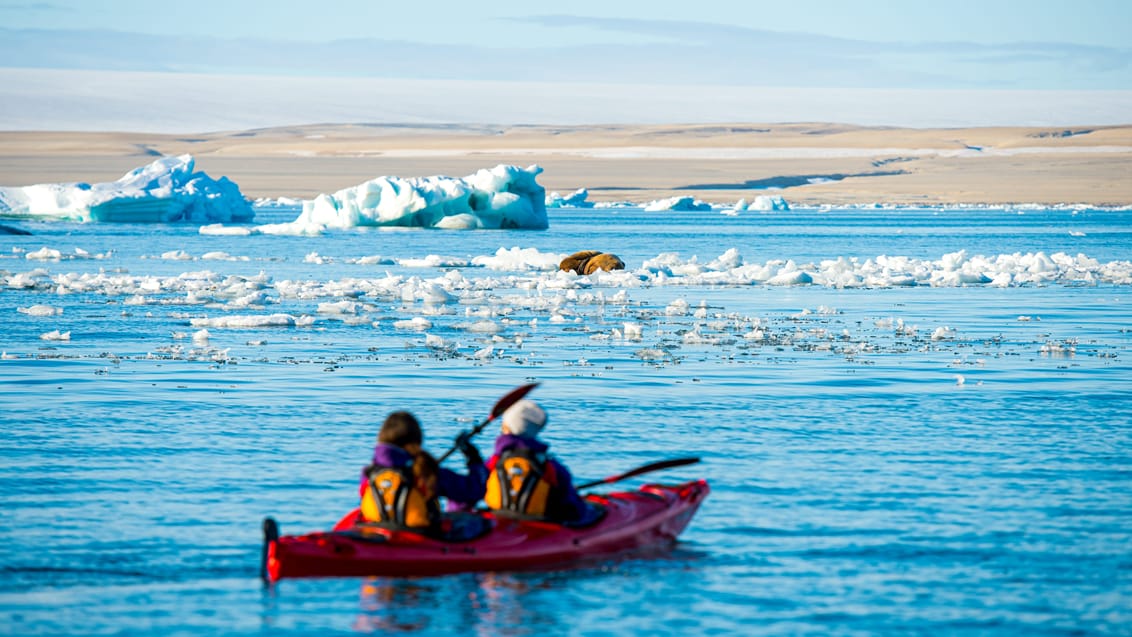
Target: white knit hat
(525, 418)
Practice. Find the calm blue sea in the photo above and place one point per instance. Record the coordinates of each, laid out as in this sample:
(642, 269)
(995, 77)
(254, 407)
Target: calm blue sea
(868, 479)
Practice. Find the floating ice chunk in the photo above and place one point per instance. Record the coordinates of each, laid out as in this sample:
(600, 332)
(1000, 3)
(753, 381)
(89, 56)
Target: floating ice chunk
(729, 260)
(501, 197)
(372, 260)
(1051, 348)
(632, 331)
(678, 307)
(165, 191)
(434, 261)
(765, 203)
(44, 254)
(40, 310)
(903, 329)
(221, 256)
(252, 321)
(518, 259)
(55, 335)
(575, 200)
(340, 307)
(415, 323)
(220, 229)
(790, 276)
(484, 327)
(434, 294)
(200, 338)
(177, 255)
(943, 334)
(684, 203)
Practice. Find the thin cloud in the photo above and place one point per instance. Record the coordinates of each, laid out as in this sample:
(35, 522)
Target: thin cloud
(661, 52)
(31, 6)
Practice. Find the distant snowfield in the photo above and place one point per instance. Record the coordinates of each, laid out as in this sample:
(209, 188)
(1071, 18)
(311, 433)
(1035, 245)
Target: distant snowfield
(65, 100)
(680, 152)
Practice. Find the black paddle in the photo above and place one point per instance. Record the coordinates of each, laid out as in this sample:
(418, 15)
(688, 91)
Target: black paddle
(514, 396)
(652, 466)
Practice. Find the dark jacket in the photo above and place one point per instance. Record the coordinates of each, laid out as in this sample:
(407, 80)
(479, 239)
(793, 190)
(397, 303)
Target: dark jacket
(564, 503)
(460, 489)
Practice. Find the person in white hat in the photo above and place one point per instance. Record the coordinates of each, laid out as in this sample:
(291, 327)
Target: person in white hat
(523, 480)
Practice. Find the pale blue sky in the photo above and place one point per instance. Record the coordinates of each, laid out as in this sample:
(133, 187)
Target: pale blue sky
(1099, 22)
(1007, 44)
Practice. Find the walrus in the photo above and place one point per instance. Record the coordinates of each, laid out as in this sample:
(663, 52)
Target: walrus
(590, 261)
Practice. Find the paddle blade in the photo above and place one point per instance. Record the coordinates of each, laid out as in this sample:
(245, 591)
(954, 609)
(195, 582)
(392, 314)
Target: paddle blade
(652, 466)
(501, 405)
(514, 396)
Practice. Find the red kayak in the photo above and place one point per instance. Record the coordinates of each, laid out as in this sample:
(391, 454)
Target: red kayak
(654, 514)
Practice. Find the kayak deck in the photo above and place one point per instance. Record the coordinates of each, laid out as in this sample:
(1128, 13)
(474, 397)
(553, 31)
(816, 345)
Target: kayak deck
(651, 515)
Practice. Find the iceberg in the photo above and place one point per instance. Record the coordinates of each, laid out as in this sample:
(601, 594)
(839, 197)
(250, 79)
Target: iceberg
(501, 197)
(575, 200)
(677, 203)
(763, 203)
(165, 191)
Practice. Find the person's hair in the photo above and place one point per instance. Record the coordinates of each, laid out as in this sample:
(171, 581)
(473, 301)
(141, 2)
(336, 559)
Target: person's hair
(403, 429)
(400, 428)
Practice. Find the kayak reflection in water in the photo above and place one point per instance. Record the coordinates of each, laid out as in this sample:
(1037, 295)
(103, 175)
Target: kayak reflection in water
(524, 481)
(401, 487)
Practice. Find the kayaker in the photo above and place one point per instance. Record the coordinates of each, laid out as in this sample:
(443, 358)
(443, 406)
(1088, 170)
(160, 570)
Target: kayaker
(524, 480)
(401, 487)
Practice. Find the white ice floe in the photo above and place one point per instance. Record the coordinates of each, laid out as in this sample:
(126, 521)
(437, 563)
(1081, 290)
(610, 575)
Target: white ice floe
(372, 260)
(219, 229)
(943, 333)
(500, 197)
(416, 323)
(677, 203)
(577, 199)
(765, 203)
(516, 259)
(221, 256)
(40, 310)
(253, 321)
(341, 308)
(55, 335)
(167, 190)
(51, 254)
(434, 261)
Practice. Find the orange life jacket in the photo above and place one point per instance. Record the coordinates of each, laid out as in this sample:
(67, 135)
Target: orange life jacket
(519, 483)
(391, 498)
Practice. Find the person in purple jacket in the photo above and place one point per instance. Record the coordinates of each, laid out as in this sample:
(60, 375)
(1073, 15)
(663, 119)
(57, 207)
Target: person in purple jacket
(402, 485)
(524, 481)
